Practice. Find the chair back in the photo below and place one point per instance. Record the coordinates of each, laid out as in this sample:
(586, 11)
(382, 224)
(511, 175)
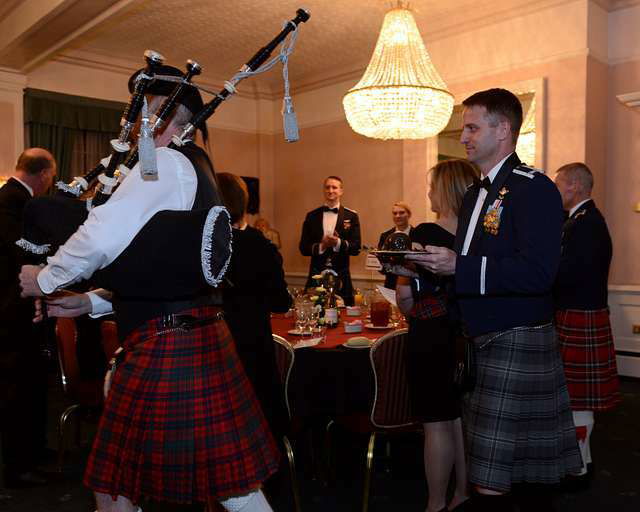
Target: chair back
(285, 358)
(391, 405)
(109, 338)
(67, 339)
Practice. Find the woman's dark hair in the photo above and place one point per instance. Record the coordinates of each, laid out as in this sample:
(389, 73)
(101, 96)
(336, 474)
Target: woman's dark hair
(235, 194)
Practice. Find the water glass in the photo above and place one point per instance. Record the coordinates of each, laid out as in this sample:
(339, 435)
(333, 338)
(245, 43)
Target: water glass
(304, 311)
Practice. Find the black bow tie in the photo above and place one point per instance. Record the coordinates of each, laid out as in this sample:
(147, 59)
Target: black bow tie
(485, 184)
(327, 209)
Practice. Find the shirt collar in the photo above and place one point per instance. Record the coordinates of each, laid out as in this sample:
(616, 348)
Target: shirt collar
(405, 231)
(494, 172)
(336, 206)
(29, 189)
(575, 208)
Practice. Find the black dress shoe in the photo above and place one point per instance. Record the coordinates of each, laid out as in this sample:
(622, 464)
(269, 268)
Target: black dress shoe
(24, 480)
(576, 483)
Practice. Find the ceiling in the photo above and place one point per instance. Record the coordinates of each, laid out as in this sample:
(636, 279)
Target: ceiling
(336, 42)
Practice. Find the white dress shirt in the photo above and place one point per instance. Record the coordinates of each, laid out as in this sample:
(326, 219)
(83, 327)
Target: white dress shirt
(329, 221)
(575, 208)
(109, 228)
(479, 202)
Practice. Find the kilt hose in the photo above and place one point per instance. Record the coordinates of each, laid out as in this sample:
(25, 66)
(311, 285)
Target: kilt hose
(589, 357)
(181, 422)
(519, 423)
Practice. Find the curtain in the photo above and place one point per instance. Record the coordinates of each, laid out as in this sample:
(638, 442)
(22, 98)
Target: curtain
(75, 129)
(87, 150)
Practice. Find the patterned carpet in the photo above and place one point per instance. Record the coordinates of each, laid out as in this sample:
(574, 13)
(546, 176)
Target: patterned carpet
(398, 482)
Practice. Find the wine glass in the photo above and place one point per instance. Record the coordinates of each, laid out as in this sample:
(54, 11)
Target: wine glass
(309, 309)
(298, 309)
(303, 314)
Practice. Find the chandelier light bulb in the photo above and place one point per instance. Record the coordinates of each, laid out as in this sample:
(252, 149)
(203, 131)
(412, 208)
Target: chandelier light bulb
(401, 95)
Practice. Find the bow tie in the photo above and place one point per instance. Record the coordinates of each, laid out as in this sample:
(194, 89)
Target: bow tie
(485, 184)
(327, 209)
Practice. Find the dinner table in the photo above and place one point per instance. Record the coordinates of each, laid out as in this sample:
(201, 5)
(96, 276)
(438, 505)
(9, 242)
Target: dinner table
(331, 378)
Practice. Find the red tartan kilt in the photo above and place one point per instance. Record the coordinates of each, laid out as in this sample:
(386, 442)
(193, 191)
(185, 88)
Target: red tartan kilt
(181, 422)
(589, 358)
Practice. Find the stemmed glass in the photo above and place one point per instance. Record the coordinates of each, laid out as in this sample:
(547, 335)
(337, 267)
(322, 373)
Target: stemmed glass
(304, 309)
(308, 318)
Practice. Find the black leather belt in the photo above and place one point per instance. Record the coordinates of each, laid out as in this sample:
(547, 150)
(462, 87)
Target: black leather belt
(189, 322)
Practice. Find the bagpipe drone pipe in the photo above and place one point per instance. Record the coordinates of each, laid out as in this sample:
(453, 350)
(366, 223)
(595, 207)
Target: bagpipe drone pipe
(203, 236)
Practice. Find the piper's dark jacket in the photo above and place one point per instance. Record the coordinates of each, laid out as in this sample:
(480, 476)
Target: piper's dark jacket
(506, 280)
(584, 264)
(390, 280)
(348, 229)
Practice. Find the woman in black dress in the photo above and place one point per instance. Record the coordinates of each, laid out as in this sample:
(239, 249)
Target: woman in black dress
(257, 289)
(431, 353)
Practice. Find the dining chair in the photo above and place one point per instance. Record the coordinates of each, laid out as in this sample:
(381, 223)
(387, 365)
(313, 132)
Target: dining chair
(85, 394)
(391, 407)
(285, 357)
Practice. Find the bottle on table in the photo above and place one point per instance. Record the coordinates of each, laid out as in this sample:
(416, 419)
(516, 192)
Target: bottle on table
(331, 310)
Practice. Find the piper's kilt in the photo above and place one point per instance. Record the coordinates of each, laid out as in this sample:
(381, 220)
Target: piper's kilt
(181, 423)
(589, 357)
(519, 423)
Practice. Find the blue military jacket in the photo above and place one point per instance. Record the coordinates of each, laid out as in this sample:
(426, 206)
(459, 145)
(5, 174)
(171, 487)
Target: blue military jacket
(507, 276)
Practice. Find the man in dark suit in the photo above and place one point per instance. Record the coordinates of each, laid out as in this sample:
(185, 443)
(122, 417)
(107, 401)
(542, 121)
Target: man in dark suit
(22, 372)
(401, 213)
(330, 234)
(581, 301)
(506, 255)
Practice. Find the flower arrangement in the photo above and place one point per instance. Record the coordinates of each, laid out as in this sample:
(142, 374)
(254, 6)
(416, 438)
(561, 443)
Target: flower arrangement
(319, 297)
(326, 284)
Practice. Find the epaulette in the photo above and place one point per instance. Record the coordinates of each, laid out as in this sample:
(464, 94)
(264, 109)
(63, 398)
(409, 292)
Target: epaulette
(527, 171)
(352, 211)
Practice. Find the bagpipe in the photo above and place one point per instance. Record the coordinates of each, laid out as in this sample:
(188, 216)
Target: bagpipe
(50, 221)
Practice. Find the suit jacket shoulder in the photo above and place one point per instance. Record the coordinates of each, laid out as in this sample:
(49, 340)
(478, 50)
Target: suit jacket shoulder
(383, 237)
(315, 212)
(348, 213)
(527, 180)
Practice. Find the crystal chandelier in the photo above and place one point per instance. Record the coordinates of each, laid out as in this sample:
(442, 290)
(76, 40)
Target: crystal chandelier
(401, 95)
(526, 146)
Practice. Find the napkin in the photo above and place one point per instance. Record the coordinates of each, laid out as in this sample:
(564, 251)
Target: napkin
(355, 326)
(311, 342)
(388, 294)
(359, 341)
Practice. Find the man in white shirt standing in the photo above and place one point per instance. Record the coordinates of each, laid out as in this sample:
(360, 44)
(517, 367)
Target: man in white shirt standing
(181, 423)
(330, 234)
